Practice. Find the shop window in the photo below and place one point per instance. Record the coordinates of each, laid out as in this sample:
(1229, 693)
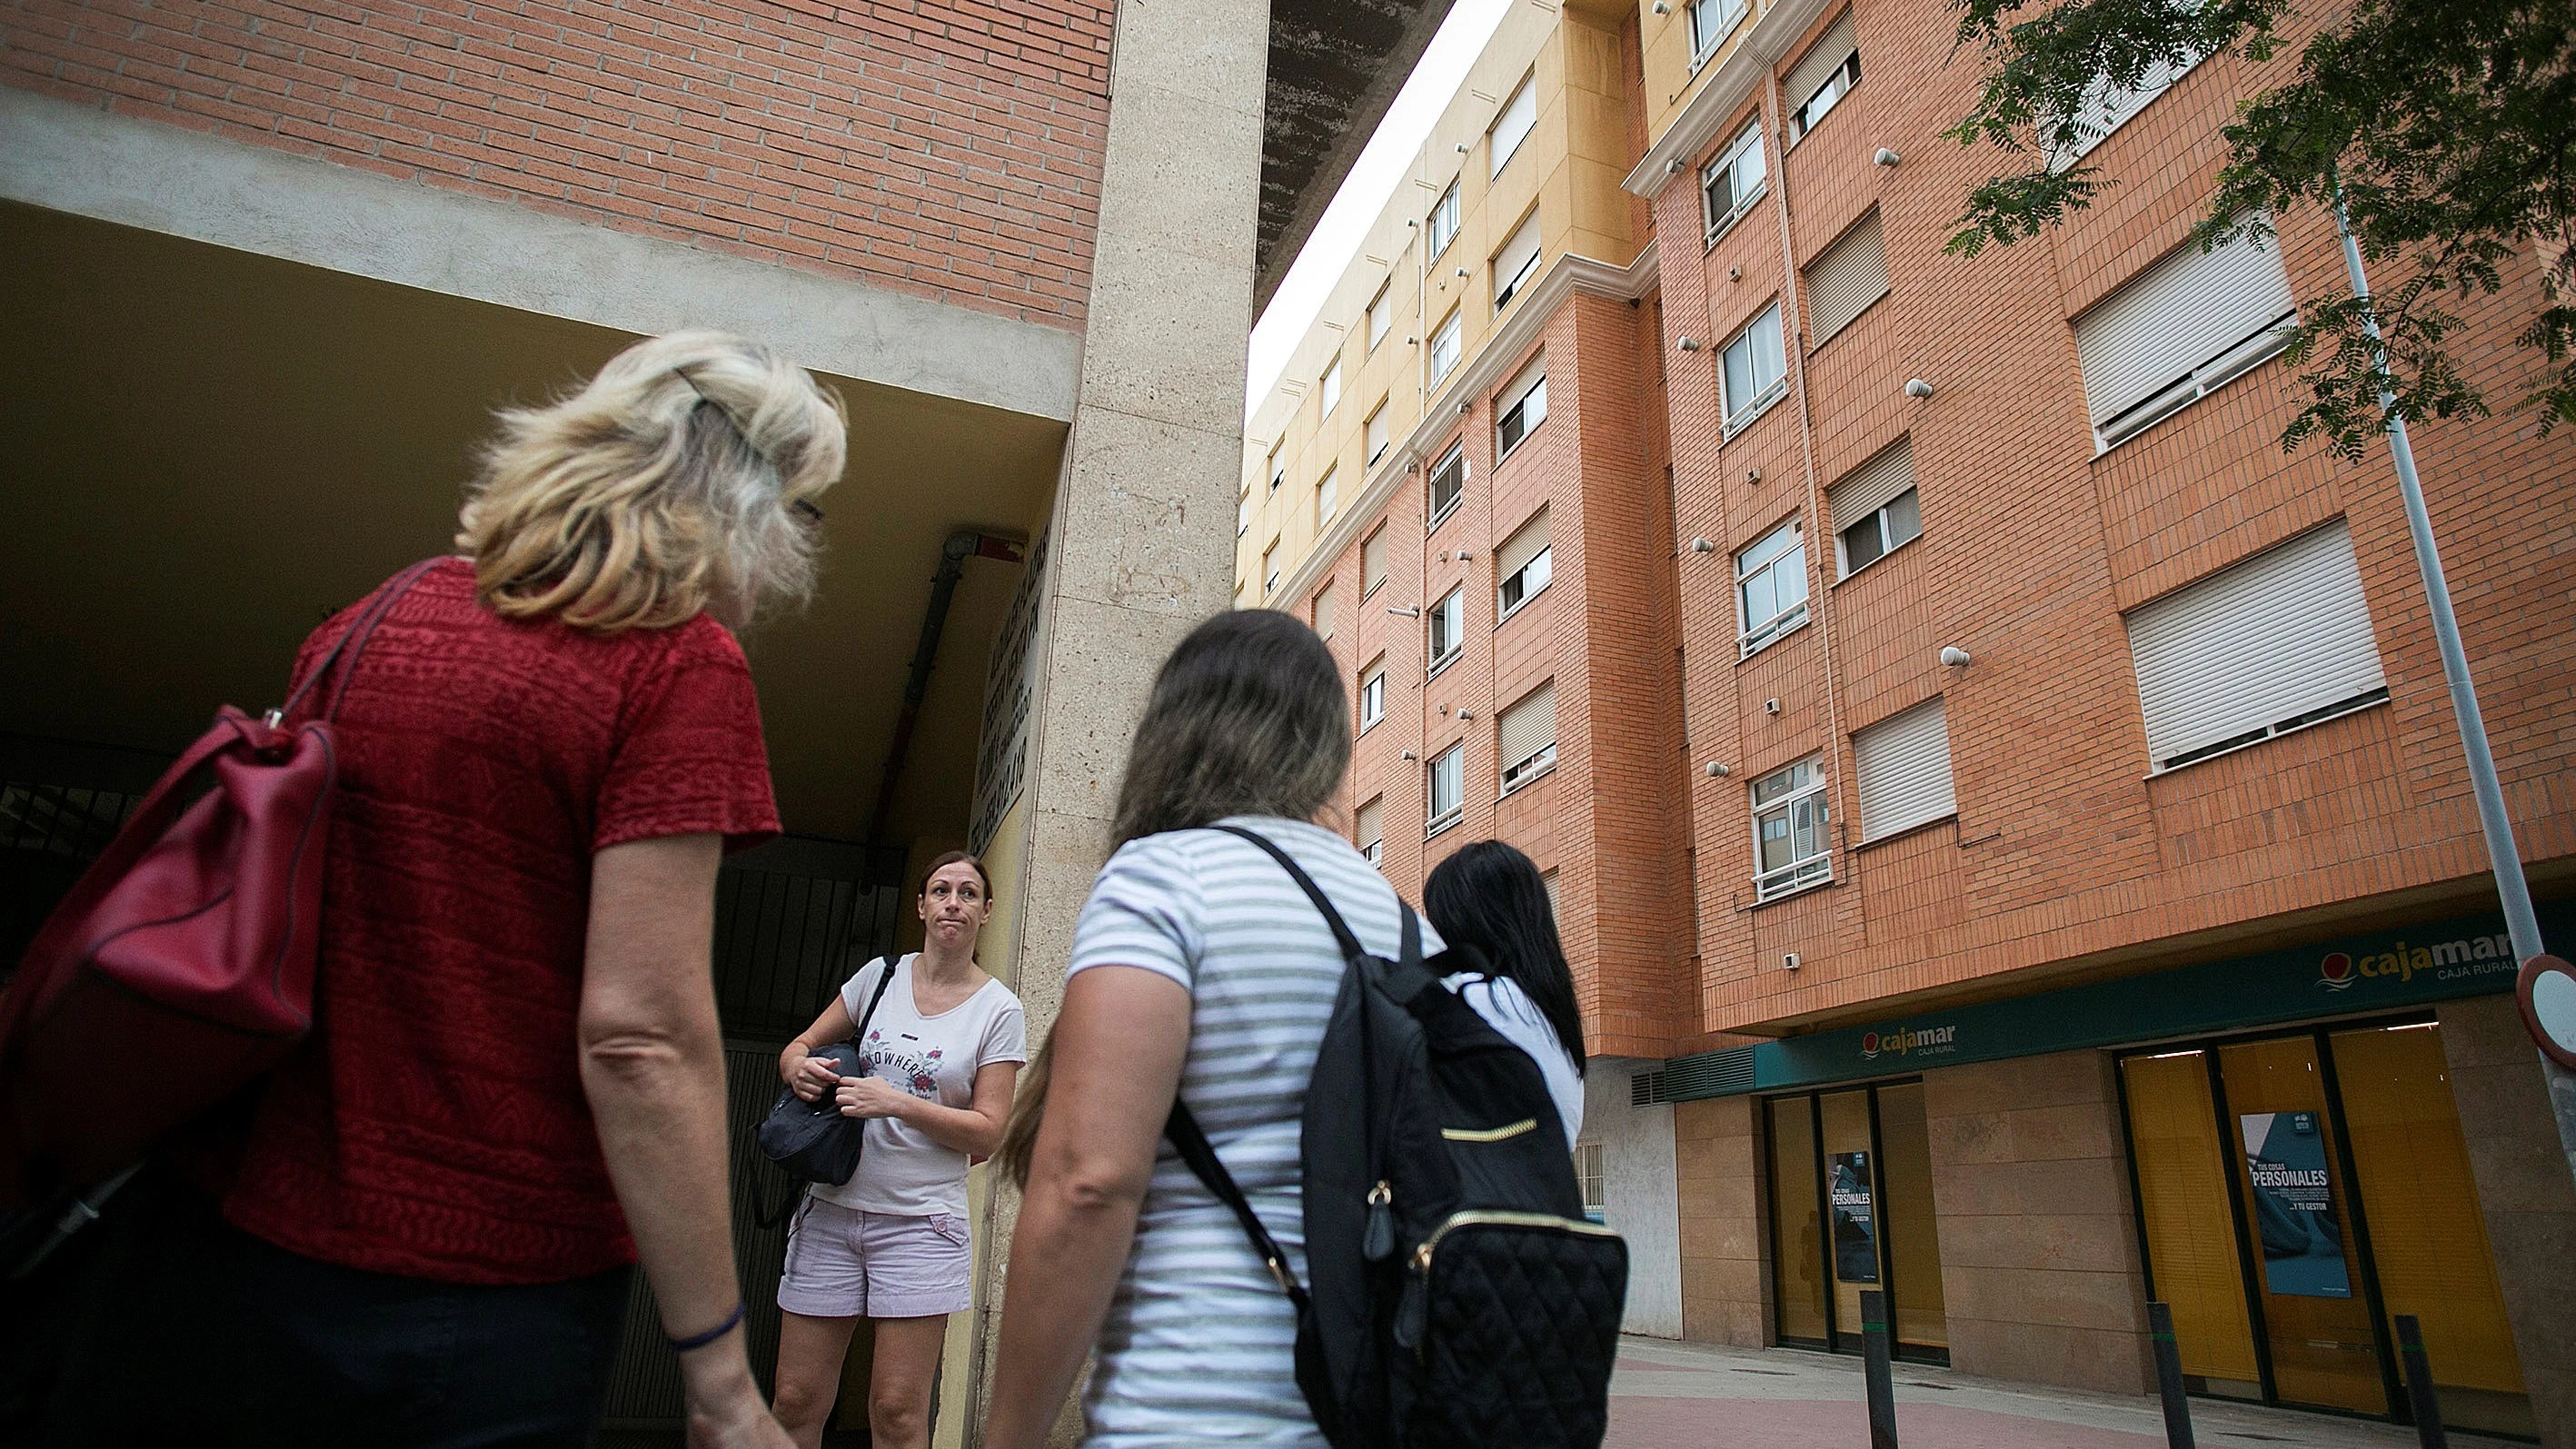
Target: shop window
(1852, 1211)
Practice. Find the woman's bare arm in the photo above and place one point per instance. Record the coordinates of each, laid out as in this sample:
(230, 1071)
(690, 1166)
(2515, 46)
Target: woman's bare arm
(1118, 1048)
(974, 1129)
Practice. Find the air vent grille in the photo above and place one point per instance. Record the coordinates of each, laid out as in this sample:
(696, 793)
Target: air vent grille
(1709, 1074)
(1645, 1089)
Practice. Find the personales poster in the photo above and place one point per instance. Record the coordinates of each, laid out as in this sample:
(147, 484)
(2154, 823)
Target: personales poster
(1855, 1207)
(2285, 1158)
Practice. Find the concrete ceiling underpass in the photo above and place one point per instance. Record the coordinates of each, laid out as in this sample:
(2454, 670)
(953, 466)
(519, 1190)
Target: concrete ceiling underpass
(1335, 66)
(211, 450)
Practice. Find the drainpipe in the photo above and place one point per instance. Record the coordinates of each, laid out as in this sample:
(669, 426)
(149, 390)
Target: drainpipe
(961, 546)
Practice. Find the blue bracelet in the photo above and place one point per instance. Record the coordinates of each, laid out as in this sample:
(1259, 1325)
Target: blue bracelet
(701, 1340)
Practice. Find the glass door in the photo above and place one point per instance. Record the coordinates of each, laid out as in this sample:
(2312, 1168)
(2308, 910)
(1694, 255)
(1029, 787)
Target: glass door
(2297, 1203)
(1851, 1211)
(2187, 1220)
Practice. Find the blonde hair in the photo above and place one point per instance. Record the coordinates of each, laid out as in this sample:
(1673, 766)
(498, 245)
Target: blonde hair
(664, 488)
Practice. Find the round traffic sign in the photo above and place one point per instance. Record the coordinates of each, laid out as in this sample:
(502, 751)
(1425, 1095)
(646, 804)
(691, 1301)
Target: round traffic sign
(2547, 991)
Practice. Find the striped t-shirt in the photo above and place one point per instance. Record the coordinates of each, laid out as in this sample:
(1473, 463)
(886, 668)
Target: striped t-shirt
(1199, 1342)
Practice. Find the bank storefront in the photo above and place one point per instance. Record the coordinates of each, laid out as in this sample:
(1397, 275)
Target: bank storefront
(2283, 1127)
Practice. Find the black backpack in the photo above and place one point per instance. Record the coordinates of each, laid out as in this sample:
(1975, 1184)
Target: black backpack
(812, 1141)
(1459, 1296)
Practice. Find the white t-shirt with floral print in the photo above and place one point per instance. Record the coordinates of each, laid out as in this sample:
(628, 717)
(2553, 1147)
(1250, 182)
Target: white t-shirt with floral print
(903, 1172)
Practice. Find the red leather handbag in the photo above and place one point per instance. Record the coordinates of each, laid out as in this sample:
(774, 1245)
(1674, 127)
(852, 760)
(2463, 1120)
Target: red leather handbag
(193, 937)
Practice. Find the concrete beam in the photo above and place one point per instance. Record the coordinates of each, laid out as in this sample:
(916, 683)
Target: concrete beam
(252, 198)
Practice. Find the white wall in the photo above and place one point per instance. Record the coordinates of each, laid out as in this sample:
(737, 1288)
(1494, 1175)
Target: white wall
(1640, 1178)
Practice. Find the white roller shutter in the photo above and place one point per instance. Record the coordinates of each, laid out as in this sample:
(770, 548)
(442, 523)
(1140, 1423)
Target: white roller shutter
(1851, 274)
(1904, 766)
(2183, 311)
(1528, 727)
(1372, 827)
(1818, 64)
(1873, 485)
(1512, 126)
(1516, 261)
(2255, 647)
(1373, 563)
(1324, 613)
(1521, 547)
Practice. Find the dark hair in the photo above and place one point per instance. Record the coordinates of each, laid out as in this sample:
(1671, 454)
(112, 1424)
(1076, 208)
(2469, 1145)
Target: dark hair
(951, 858)
(1247, 717)
(1490, 897)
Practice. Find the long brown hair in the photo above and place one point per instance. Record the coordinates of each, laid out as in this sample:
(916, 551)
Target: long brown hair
(1247, 717)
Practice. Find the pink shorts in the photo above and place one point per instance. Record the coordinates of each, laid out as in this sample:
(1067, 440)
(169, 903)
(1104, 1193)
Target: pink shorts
(844, 1263)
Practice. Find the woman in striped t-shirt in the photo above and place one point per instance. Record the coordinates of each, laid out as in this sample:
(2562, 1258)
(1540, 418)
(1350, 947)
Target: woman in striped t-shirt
(1198, 965)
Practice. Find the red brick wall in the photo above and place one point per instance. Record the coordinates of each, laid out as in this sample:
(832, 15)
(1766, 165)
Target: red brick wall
(950, 150)
(2063, 847)
(1604, 818)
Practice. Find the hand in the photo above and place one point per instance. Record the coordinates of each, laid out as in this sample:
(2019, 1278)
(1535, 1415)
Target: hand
(724, 1405)
(810, 1077)
(872, 1097)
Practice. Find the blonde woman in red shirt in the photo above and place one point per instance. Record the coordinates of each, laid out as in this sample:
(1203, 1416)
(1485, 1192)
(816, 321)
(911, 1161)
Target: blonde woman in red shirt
(516, 1087)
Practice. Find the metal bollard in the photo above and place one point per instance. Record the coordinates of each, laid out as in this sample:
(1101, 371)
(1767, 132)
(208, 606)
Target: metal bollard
(2419, 1384)
(2169, 1376)
(1877, 1369)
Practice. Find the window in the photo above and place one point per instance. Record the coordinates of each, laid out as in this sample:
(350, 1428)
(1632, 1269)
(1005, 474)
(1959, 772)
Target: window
(1845, 279)
(1373, 434)
(1448, 481)
(1733, 181)
(1373, 692)
(1381, 315)
(1710, 20)
(1270, 568)
(1444, 348)
(1875, 508)
(1278, 468)
(1791, 848)
(1819, 82)
(1324, 612)
(1904, 766)
(1444, 222)
(2276, 642)
(1512, 124)
(1547, 878)
(2180, 330)
(1589, 1176)
(1524, 406)
(1331, 387)
(1523, 564)
(1526, 737)
(1447, 796)
(1243, 512)
(1448, 620)
(1756, 370)
(1517, 262)
(1372, 563)
(2107, 108)
(1771, 585)
(1328, 496)
(1372, 830)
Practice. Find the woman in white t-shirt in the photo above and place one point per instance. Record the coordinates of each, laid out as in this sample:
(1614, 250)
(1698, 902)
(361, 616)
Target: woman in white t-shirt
(944, 1051)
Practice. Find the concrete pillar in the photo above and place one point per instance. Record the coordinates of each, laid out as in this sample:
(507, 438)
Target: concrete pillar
(1726, 1294)
(2524, 1192)
(1141, 540)
(1640, 1186)
(2039, 1258)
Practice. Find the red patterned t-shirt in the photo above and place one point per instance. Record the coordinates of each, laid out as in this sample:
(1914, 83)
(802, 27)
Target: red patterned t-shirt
(434, 1125)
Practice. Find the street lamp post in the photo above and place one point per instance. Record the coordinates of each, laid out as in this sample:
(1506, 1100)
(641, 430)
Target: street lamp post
(2521, 922)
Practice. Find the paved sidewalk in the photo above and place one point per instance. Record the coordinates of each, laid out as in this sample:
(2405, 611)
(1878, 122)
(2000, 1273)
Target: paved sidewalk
(1693, 1396)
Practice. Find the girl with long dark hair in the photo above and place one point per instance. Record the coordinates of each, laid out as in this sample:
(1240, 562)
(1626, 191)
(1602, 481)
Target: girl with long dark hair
(1489, 901)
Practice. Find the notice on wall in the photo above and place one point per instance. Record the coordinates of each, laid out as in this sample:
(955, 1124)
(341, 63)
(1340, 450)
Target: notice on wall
(1855, 1205)
(2285, 1158)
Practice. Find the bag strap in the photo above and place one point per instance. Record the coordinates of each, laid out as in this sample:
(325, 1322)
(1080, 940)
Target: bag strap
(1200, 1154)
(768, 1216)
(360, 630)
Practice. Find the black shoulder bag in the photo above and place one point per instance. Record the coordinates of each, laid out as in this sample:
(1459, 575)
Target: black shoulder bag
(812, 1141)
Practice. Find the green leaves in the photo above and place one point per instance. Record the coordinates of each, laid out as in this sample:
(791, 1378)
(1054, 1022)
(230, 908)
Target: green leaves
(2449, 124)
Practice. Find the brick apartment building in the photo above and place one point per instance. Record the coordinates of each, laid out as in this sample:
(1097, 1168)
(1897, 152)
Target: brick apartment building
(1981, 818)
(273, 263)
